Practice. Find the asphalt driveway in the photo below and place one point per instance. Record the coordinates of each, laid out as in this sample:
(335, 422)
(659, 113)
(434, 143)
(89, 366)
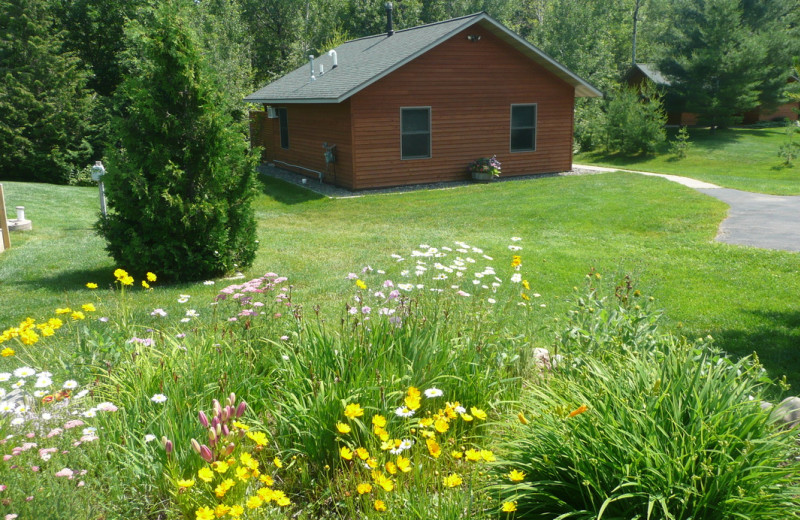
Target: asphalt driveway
(754, 219)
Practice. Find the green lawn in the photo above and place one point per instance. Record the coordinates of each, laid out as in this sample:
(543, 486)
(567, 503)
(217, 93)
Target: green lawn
(741, 158)
(659, 231)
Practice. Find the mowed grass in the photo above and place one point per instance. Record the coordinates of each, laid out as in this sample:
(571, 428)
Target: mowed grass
(741, 158)
(658, 231)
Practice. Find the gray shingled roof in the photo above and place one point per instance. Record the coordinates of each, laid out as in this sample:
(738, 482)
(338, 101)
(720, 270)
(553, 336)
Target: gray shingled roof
(366, 60)
(650, 70)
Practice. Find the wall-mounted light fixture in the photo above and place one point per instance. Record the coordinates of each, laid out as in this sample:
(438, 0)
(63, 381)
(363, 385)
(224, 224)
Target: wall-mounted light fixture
(474, 37)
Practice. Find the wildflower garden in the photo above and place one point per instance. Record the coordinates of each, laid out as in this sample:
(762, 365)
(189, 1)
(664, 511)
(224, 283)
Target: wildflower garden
(423, 394)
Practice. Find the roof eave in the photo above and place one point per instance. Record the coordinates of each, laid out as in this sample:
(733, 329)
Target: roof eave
(291, 101)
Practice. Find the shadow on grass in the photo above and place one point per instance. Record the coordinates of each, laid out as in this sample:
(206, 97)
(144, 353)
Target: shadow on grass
(286, 192)
(775, 341)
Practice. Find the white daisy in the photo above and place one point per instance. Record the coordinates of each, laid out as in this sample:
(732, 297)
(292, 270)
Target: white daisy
(4, 376)
(24, 372)
(159, 398)
(149, 437)
(433, 392)
(18, 421)
(43, 382)
(404, 412)
(70, 384)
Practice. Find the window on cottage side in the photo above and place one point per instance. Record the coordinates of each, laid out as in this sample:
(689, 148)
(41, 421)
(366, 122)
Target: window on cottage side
(415, 133)
(283, 122)
(523, 128)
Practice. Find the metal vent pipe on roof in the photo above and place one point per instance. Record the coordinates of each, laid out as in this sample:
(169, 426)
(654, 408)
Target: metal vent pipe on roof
(389, 29)
(311, 62)
(333, 54)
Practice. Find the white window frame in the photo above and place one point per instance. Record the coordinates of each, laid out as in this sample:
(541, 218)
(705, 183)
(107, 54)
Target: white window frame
(535, 127)
(429, 132)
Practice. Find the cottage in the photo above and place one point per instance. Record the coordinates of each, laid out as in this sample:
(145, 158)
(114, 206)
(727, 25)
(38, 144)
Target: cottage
(675, 105)
(418, 105)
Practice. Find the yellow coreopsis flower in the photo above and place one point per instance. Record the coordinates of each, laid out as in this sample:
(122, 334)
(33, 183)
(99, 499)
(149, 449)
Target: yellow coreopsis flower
(236, 511)
(488, 456)
(47, 330)
(128, 280)
(525, 296)
(509, 507)
(342, 428)
(277, 462)
(266, 480)
(283, 501)
(145, 284)
(372, 463)
(205, 474)
(526, 285)
(426, 422)
(221, 510)
(91, 285)
(516, 261)
(220, 466)
(466, 417)
(361, 285)
(385, 482)
(441, 425)
(472, 455)
(63, 310)
(353, 410)
(522, 418)
(403, 464)
(456, 454)
(185, 483)
(346, 453)
(151, 277)
(28, 337)
(390, 467)
(516, 476)
(55, 323)
(88, 307)
(378, 421)
(243, 473)
(380, 505)
(254, 502)
(478, 413)
(453, 480)
(266, 494)
(240, 426)
(78, 315)
(364, 488)
(204, 513)
(260, 438)
(120, 273)
(433, 448)
(362, 453)
(248, 460)
(7, 352)
(413, 402)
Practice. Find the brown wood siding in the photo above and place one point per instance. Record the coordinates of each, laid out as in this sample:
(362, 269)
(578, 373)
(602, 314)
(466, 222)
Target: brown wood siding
(310, 126)
(470, 87)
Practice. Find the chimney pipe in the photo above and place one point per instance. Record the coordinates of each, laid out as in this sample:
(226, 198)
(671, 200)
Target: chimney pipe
(311, 61)
(389, 29)
(332, 53)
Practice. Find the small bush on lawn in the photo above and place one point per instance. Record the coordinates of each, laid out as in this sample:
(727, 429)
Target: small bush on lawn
(655, 428)
(635, 121)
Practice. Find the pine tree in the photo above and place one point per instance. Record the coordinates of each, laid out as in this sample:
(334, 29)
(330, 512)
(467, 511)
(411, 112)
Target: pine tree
(180, 184)
(45, 107)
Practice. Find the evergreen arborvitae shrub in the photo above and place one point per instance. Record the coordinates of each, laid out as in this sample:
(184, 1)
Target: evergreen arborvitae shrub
(180, 180)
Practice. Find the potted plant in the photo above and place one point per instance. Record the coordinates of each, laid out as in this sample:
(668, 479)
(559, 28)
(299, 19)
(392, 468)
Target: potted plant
(484, 169)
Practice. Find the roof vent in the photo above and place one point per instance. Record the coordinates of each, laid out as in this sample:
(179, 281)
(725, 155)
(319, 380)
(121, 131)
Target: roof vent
(333, 54)
(389, 29)
(311, 62)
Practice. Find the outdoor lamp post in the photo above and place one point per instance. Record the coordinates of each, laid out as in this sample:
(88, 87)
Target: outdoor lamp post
(97, 175)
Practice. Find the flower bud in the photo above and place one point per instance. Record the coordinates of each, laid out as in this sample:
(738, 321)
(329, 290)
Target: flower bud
(225, 414)
(196, 445)
(225, 430)
(206, 453)
(232, 399)
(240, 409)
(214, 422)
(230, 448)
(203, 419)
(168, 447)
(212, 434)
(217, 407)
(219, 430)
